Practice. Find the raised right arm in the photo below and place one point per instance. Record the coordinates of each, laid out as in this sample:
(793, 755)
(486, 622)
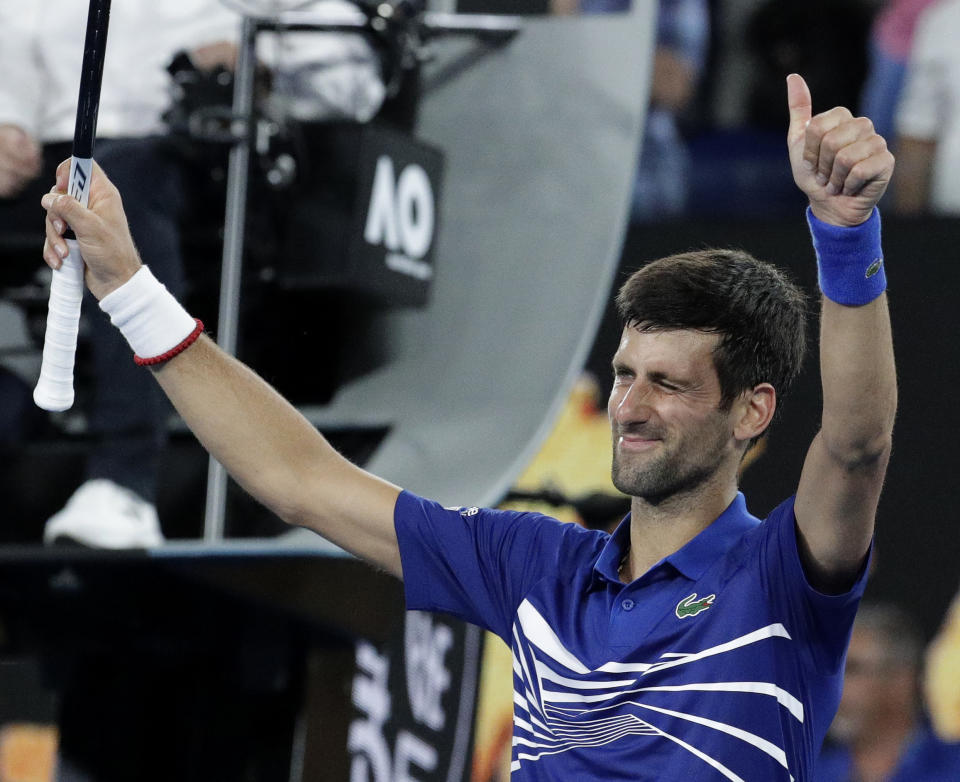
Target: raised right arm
(262, 440)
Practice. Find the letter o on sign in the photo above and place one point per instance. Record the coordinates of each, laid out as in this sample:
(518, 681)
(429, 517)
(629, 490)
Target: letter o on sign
(415, 211)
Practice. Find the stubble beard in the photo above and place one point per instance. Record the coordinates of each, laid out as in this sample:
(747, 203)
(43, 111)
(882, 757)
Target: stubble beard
(668, 473)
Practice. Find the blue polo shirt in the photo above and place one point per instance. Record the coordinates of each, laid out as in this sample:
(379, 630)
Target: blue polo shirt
(720, 662)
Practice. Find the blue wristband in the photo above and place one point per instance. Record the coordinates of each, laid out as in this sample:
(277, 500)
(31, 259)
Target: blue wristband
(850, 260)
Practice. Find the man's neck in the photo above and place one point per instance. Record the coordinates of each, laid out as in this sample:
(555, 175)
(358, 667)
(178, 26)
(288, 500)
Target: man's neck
(658, 529)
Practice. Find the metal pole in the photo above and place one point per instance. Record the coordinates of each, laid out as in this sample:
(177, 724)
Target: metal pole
(238, 173)
(232, 264)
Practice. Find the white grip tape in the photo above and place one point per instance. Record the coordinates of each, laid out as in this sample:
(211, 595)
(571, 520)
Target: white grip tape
(148, 315)
(54, 389)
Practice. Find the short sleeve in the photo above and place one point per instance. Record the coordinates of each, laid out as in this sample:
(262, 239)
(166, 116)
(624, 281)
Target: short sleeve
(478, 563)
(823, 621)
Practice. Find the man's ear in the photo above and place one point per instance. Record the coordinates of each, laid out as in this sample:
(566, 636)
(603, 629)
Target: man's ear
(755, 411)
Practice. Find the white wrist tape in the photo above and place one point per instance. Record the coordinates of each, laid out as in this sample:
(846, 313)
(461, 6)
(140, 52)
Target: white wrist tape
(147, 314)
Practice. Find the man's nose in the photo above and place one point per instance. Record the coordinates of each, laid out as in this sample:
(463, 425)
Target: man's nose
(634, 402)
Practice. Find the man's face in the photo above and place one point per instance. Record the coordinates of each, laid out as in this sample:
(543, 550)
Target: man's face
(669, 433)
(875, 688)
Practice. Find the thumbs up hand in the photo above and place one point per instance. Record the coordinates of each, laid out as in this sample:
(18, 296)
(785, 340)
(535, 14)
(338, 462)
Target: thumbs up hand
(839, 161)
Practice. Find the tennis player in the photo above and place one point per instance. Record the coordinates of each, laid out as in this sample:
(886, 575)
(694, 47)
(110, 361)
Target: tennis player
(696, 642)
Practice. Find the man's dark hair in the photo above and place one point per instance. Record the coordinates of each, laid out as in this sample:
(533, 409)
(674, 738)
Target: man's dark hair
(758, 312)
(896, 629)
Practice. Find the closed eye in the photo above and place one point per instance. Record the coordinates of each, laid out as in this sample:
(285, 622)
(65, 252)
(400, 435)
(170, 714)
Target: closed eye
(661, 380)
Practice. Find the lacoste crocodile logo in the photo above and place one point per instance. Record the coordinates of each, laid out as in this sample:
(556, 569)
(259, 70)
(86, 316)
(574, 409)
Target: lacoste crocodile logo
(690, 606)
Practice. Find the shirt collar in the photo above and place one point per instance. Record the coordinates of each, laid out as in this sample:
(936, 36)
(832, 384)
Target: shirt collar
(608, 563)
(693, 559)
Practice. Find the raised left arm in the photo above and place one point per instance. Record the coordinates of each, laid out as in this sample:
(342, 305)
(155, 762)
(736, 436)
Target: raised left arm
(844, 167)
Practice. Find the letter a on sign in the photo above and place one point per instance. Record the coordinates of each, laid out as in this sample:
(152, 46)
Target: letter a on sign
(381, 225)
(401, 213)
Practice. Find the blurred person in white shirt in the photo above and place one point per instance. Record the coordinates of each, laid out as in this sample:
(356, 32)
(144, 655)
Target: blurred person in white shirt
(41, 50)
(928, 117)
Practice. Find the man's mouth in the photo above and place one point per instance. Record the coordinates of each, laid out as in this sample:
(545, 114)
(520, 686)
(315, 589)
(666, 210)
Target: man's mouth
(636, 442)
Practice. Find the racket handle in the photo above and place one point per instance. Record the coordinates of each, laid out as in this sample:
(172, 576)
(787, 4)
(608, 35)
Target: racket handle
(54, 389)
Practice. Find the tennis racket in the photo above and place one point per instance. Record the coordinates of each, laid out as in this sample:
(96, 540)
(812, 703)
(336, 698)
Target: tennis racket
(54, 389)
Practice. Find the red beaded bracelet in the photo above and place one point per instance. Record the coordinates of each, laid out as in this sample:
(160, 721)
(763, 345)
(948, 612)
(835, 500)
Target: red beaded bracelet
(192, 337)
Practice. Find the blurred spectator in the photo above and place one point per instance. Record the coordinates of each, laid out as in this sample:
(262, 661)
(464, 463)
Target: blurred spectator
(737, 146)
(879, 733)
(683, 32)
(889, 49)
(824, 40)
(928, 117)
(41, 46)
(42, 43)
(941, 682)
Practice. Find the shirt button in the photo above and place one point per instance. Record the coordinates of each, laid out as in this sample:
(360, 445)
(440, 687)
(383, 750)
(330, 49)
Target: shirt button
(628, 604)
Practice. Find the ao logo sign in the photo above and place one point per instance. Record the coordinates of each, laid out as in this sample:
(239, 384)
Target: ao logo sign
(401, 217)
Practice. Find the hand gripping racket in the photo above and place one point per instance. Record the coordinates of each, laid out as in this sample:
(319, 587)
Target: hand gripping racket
(54, 389)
